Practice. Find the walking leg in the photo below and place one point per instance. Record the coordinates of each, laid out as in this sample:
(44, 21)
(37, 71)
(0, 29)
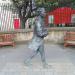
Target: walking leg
(27, 62)
(42, 53)
(34, 54)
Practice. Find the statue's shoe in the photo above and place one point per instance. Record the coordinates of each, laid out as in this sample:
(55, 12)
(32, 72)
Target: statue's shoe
(46, 66)
(27, 63)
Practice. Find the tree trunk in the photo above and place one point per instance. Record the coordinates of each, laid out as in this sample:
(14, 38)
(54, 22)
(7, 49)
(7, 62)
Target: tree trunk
(22, 25)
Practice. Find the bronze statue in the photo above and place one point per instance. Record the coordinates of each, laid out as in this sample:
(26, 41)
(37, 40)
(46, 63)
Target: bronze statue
(37, 42)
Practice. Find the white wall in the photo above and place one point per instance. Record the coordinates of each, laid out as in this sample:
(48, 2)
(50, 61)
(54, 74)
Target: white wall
(50, 19)
(73, 18)
(6, 17)
(5, 1)
(6, 20)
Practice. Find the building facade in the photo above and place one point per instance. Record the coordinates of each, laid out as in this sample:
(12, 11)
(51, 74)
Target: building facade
(63, 15)
(9, 19)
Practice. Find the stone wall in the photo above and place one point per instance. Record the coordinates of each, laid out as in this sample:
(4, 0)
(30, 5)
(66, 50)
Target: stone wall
(25, 36)
(53, 36)
(56, 34)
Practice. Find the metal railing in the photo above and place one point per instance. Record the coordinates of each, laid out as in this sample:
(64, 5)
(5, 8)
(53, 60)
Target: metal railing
(7, 15)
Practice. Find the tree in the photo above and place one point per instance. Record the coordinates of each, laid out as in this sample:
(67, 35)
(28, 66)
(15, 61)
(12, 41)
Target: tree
(24, 9)
(51, 5)
(48, 4)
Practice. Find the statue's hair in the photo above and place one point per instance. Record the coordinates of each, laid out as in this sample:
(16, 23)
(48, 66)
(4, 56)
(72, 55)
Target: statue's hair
(40, 10)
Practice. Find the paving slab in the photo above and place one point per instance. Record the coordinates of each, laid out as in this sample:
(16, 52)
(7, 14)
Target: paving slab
(61, 60)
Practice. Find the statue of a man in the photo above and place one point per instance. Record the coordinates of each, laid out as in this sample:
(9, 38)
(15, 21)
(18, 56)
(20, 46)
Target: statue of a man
(37, 42)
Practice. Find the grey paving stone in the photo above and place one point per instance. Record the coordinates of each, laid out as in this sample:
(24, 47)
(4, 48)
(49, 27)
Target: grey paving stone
(62, 61)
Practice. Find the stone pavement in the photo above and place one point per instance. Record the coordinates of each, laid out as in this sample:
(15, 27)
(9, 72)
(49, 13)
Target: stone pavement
(61, 59)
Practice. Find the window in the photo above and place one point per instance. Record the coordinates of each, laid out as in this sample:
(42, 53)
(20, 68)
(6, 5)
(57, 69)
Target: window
(50, 19)
(73, 18)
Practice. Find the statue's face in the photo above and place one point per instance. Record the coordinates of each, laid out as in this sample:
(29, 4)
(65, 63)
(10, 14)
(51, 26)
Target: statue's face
(42, 11)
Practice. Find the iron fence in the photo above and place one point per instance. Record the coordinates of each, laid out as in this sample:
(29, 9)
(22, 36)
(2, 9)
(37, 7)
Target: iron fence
(7, 16)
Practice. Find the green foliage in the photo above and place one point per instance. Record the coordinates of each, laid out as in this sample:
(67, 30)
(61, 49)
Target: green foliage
(49, 5)
(18, 2)
(53, 4)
